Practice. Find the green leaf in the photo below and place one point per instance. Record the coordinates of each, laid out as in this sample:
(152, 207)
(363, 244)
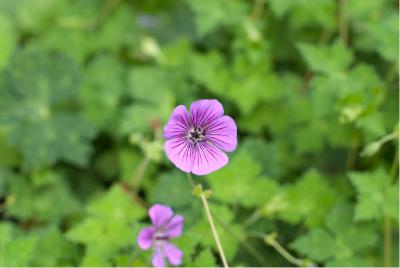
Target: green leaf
(15, 250)
(173, 189)
(356, 236)
(102, 92)
(265, 153)
(103, 237)
(36, 85)
(152, 89)
(246, 186)
(376, 195)
(109, 228)
(7, 43)
(189, 243)
(317, 244)
(280, 8)
(308, 199)
(341, 239)
(325, 12)
(57, 250)
(52, 201)
(61, 137)
(35, 16)
(204, 259)
(116, 205)
(368, 29)
(209, 14)
(229, 235)
(326, 59)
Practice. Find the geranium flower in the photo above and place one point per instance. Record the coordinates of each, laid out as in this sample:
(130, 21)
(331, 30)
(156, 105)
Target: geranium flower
(196, 141)
(165, 226)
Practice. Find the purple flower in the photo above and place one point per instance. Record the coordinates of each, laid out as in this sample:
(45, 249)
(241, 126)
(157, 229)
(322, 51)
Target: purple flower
(165, 226)
(195, 141)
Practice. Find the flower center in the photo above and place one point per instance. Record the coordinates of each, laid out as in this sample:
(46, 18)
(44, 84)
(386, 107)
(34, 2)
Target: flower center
(196, 135)
(160, 238)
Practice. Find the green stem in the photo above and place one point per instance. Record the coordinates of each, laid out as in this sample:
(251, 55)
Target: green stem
(211, 222)
(252, 250)
(271, 241)
(252, 219)
(139, 172)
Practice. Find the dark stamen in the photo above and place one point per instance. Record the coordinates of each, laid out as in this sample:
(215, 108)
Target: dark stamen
(196, 135)
(161, 238)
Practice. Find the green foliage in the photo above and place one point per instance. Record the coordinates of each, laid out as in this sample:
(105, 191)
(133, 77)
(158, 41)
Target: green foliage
(29, 106)
(209, 15)
(49, 199)
(377, 195)
(108, 228)
(339, 242)
(308, 199)
(86, 88)
(319, 58)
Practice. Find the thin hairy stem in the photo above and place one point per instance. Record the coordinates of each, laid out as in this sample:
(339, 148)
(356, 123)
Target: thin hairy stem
(284, 253)
(211, 222)
(242, 240)
(139, 172)
(271, 241)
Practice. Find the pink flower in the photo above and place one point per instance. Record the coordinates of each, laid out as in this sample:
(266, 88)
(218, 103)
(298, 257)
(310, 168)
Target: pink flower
(196, 141)
(165, 226)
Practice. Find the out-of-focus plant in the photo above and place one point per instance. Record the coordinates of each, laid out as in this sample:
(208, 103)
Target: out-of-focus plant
(86, 87)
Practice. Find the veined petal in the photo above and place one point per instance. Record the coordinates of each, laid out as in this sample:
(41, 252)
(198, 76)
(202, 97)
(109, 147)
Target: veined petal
(173, 253)
(202, 112)
(160, 215)
(158, 257)
(208, 158)
(223, 133)
(145, 238)
(178, 124)
(175, 226)
(180, 152)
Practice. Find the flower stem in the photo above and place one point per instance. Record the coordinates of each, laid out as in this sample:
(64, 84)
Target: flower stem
(270, 240)
(137, 175)
(242, 240)
(211, 222)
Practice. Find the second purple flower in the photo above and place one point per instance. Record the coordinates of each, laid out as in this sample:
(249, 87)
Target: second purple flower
(196, 140)
(165, 226)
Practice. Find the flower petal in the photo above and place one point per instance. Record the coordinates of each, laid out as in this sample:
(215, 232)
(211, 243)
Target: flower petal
(175, 226)
(180, 152)
(173, 253)
(223, 133)
(178, 124)
(145, 238)
(160, 215)
(208, 158)
(202, 112)
(158, 258)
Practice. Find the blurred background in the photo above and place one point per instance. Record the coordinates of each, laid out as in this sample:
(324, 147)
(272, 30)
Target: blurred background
(86, 87)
